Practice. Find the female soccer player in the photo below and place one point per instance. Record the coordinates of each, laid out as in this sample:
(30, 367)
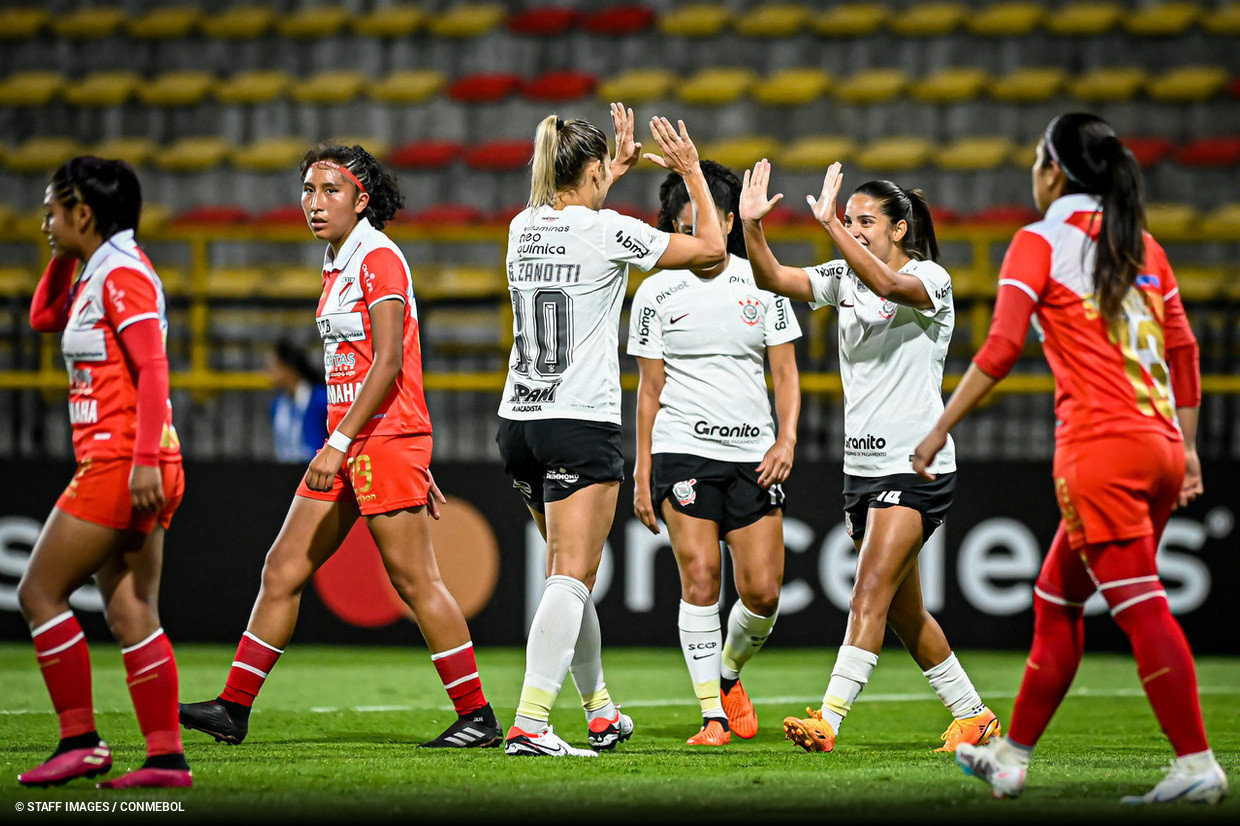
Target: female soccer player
(376, 462)
(896, 316)
(1127, 391)
(559, 433)
(109, 523)
(710, 468)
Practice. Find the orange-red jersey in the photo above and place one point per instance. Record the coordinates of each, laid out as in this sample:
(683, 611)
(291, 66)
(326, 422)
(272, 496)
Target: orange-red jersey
(1109, 377)
(369, 268)
(117, 287)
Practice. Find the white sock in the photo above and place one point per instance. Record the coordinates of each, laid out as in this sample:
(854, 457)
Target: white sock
(1010, 752)
(747, 633)
(701, 639)
(587, 667)
(553, 638)
(954, 688)
(852, 670)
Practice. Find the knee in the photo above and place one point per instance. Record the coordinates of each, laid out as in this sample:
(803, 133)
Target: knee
(131, 621)
(37, 603)
(763, 601)
(699, 583)
(283, 577)
(869, 602)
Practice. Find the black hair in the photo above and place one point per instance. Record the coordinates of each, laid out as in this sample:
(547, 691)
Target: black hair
(109, 187)
(289, 352)
(562, 148)
(910, 206)
(378, 181)
(1094, 161)
(725, 191)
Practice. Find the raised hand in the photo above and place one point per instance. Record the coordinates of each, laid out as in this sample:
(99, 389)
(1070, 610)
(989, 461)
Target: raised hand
(627, 151)
(754, 205)
(679, 153)
(824, 208)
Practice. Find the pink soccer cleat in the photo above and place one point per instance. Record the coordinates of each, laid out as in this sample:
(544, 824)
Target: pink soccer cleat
(145, 778)
(75, 763)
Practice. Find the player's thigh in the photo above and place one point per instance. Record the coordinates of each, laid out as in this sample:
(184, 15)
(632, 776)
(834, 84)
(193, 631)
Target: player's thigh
(758, 557)
(403, 538)
(577, 527)
(312, 531)
(129, 582)
(66, 555)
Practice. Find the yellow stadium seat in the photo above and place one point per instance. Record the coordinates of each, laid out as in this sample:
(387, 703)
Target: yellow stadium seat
(331, 86)
(772, 20)
(849, 20)
(792, 87)
(102, 89)
(154, 218)
(136, 151)
(312, 22)
(740, 153)
(89, 23)
(1164, 19)
(695, 20)
(407, 86)
(18, 281)
(34, 87)
(22, 22)
(9, 215)
(1108, 84)
(253, 86)
(467, 20)
(1084, 19)
(1025, 154)
(372, 145)
(393, 21)
(634, 86)
(1006, 19)
(816, 152)
(1185, 84)
(717, 86)
(950, 85)
(290, 282)
(193, 154)
(1222, 223)
(1200, 283)
(898, 154)
(235, 282)
(1028, 84)
(244, 22)
(928, 19)
(974, 153)
(42, 154)
(164, 23)
(1222, 20)
(871, 86)
(1169, 221)
(269, 154)
(180, 87)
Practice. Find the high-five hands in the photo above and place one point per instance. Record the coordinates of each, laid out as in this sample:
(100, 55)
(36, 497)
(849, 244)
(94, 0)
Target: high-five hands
(754, 204)
(627, 151)
(679, 153)
(824, 208)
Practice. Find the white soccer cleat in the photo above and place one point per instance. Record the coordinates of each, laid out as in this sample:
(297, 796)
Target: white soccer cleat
(1209, 786)
(1006, 778)
(543, 744)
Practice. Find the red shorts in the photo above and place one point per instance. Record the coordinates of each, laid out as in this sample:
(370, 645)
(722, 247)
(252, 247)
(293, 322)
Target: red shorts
(1117, 487)
(383, 473)
(99, 493)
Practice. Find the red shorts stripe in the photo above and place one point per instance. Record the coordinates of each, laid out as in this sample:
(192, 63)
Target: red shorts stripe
(382, 473)
(99, 493)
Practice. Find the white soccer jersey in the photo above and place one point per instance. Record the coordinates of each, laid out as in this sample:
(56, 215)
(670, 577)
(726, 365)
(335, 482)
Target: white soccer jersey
(712, 335)
(567, 274)
(891, 366)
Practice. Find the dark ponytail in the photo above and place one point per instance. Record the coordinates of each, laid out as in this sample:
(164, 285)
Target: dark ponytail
(109, 188)
(910, 206)
(725, 191)
(1094, 161)
(377, 180)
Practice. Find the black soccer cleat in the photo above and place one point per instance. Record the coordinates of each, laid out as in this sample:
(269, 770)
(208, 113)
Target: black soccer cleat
(476, 730)
(226, 722)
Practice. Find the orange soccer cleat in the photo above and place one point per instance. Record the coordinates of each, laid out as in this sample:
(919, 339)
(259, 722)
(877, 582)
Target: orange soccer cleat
(712, 734)
(742, 719)
(976, 731)
(810, 733)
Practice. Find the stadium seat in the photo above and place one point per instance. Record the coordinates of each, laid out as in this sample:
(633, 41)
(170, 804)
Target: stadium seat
(290, 282)
(210, 215)
(1187, 84)
(1200, 283)
(329, 87)
(930, 19)
(269, 155)
(716, 86)
(1028, 84)
(1083, 19)
(559, 86)
(543, 21)
(1004, 215)
(136, 151)
(1108, 84)
(181, 87)
(1012, 18)
(444, 214)
(1211, 153)
(397, 20)
(950, 85)
(695, 20)
(89, 23)
(425, 154)
(1161, 19)
(34, 87)
(164, 23)
(1169, 221)
(851, 20)
(640, 85)
(772, 20)
(466, 20)
(1222, 223)
(406, 87)
(253, 86)
(192, 154)
(288, 215)
(235, 282)
(485, 87)
(792, 87)
(619, 20)
(896, 154)
(870, 86)
(42, 154)
(1149, 150)
(814, 153)
(240, 22)
(500, 156)
(740, 153)
(23, 22)
(974, 153)
(103, 89)
(1222, 20)
(313, 22)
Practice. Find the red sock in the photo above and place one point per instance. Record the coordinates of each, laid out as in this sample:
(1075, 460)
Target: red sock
(253, 663)
(1058, 642)
(151, 672)
(60, 647)
(459, 672)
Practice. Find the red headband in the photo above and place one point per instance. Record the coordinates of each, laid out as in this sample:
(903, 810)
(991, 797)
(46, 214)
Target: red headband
(345, 170)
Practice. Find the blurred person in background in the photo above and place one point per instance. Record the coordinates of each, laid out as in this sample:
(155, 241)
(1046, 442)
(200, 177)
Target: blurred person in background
(895, 317)
(375, 464)
(559, 433)
(110, 521)
(299, 409)
(711, 466)
(1127, 393)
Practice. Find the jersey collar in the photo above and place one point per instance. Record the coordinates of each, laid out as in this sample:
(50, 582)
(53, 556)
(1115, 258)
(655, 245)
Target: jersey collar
(1066, 205)
(122, 242)
(352, 243)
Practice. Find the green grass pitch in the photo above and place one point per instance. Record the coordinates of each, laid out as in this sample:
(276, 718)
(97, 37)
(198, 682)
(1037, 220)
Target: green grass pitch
(333, 739)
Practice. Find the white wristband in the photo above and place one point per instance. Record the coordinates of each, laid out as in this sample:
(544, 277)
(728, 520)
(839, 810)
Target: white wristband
(339, 441)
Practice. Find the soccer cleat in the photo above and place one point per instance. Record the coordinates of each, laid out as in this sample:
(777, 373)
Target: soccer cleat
(1006, 779)
(742, 719)
(476, 730)
(147, 778)
(61, 768)
(543, 744)
(976, 731)
(1209, 786)
(212, 717)
(810, 733)
(712, 734)
(604, 733)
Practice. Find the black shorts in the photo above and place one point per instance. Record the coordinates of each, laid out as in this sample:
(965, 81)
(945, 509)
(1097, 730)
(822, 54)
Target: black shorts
(726, 493)
(929, 498)
(548, 459)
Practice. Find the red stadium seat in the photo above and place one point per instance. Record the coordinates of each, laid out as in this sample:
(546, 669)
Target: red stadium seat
(1210, 152)
(1149, 150)
(942, 216)
(559, 86)
(211, 215)
(484, 87)
(619, 20)
(543, 21)
(505, 215)
(445, 214)
(500, 156)
(428, 154)
(1005, 215)
(282, 216)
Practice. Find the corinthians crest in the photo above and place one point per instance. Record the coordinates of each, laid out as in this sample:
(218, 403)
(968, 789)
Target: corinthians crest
(684, 492)
(750, 311)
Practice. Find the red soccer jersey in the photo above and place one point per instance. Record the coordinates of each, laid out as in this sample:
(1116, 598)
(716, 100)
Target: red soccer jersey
(368, 269)
(1109, 378)
(117, 287)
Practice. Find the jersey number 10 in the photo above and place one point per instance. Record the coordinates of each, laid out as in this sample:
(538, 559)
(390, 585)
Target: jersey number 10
(542, 334)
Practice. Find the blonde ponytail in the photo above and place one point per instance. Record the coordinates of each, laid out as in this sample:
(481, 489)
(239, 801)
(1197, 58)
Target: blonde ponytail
(542, 178)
